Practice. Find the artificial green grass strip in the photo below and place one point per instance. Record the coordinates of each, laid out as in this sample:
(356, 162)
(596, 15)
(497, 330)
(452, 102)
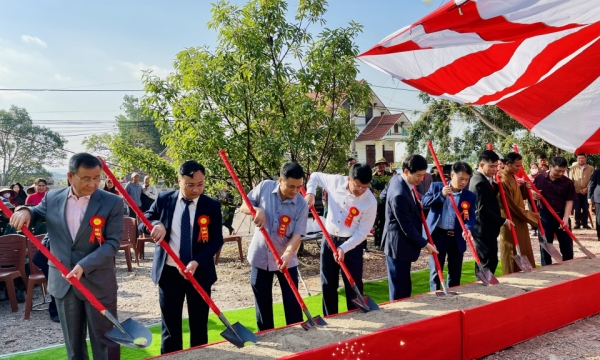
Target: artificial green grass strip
(377, 290)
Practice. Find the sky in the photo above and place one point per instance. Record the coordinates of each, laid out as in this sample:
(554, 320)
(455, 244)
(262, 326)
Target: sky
(55, 44)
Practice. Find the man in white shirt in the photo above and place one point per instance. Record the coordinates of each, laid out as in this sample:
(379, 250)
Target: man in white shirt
(352, 212)
(149, 190)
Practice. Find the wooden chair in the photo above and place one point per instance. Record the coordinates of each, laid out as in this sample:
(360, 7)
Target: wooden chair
(141, 245)
(227, 239)
(12, 265)
(36, 277)
(128, 239)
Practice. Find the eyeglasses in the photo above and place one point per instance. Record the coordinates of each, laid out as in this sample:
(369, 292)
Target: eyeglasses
(191, 186)
(87, 180)
(361, 187)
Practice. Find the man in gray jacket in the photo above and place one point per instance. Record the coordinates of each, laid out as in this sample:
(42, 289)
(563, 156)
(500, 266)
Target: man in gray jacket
(72, 214)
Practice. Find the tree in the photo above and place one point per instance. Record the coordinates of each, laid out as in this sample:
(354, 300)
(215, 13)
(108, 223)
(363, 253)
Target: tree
(25, 148)
(135, 129)
(479, 125)
(270, 91)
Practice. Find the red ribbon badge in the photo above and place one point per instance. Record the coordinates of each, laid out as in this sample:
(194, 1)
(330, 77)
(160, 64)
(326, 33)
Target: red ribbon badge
(97, 222)
(284, 221)
(203, 221)
(465, 206)
(351, 214)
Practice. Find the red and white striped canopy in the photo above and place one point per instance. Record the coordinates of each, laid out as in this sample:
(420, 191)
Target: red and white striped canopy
(538, 60)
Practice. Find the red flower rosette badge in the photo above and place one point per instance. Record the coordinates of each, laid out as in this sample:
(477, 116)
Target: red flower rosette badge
(353, 212)
(203, 221)
(284, 221)
(465, 206)
(97, 222)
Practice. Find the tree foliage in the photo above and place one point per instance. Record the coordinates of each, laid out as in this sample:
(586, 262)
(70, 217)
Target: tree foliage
(26, 148)
(271, 90)
(461, 132)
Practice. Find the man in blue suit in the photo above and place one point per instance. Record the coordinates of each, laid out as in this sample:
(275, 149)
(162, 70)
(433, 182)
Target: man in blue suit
(191, 223)
(445, 228)
(402, 233)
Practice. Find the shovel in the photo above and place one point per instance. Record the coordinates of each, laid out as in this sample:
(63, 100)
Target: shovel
(566, 229)
(312, 321)
(363, 302)
(236, 334)
(485, 275)
(128, 333)
(522, 261)
(440, 271)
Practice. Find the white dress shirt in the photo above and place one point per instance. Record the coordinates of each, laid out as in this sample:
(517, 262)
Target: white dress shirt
(174, 238)
(75, 211)
(151, 192)
(339, 201)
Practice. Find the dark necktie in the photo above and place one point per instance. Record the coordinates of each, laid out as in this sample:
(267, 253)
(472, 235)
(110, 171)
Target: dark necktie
(185, 247)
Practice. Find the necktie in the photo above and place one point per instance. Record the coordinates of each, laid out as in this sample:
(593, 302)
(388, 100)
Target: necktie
(185, 247)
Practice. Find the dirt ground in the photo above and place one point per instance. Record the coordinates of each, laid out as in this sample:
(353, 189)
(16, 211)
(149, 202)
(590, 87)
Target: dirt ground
(138, 296)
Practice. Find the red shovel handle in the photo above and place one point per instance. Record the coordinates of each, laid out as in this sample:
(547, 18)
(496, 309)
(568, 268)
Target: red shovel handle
(329, 240)
(551, 210)
(164, 244)
(506, 209)
(429, 238)
(458, 216)
(59, 265)
(265, 234)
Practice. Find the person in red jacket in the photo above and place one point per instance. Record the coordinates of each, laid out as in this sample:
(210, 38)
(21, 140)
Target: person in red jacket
(41, 186)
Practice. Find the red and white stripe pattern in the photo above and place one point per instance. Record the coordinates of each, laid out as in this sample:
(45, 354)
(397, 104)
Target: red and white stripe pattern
(538, 60)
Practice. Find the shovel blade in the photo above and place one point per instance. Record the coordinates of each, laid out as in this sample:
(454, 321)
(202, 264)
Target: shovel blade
(316, 321)
(550, 249)
(445, 294)
(523, 263)
(487, 277)
(365, 303)
(239, 335)
(587, 252)
(136, 335)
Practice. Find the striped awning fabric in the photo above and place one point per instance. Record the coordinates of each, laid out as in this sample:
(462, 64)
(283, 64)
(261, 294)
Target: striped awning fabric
(538, 60)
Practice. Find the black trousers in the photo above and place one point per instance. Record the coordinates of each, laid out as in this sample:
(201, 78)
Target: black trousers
(262, 286)
(598, 220)
(172, 290)
(487, 250)
(580, 205)
(551, 228)
(399, 281)
(330, 275)
(447, 247)
(41, 261)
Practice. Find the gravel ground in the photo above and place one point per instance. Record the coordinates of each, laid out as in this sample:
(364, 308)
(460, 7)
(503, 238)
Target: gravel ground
(138, 296)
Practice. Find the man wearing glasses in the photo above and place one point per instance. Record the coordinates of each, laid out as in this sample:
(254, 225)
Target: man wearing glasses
(69, 214)
(191, 223)
(352, 212)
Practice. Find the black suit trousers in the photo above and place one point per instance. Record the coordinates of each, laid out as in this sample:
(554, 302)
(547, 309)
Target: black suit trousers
(172, 290)
(487, 250)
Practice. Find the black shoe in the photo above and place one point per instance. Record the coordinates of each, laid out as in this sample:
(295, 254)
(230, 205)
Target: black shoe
(367, 250)
(20, 296)
(55, 318)
(577, 227)
(587, 227)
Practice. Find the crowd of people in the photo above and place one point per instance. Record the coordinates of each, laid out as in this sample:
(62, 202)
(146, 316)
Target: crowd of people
(382, 201)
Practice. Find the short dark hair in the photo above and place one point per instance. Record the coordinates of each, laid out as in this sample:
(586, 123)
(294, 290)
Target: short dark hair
(461, 166)
(39, 180)
(511, 157)
(84, 160)
(558, 161)
(414, 163)
(361, 172)
(488, 156)
(292, 170)
(542, 156)
(189, 167)
(350, 159)
(584, 155)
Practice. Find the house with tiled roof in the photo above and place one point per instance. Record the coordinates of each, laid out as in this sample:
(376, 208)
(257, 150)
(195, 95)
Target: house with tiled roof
(380, 134)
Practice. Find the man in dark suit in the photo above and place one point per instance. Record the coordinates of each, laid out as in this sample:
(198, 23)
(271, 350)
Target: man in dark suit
(594, 197)
(191, 223)
(445, 228)
(487, 211)
(68, 213)
(402, 233)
